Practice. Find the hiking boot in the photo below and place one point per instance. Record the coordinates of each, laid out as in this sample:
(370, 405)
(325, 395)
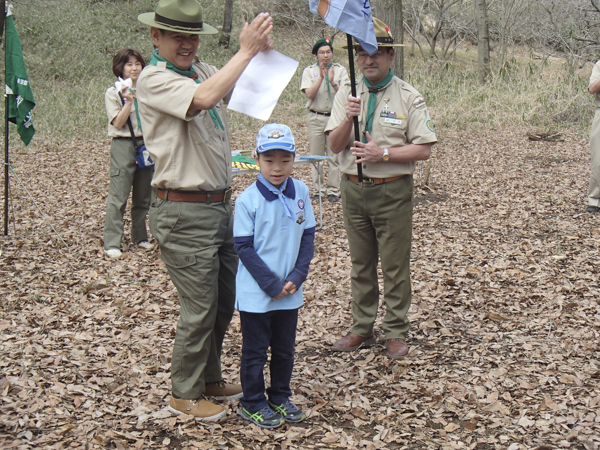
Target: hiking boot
(592, 209)
(223, 391)
(315, 198)
(201, 409)
(113, 253)
(266, 417)
(289, 412)
(333, 198)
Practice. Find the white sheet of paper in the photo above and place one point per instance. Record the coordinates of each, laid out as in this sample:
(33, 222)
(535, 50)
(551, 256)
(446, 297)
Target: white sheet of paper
(258, 89)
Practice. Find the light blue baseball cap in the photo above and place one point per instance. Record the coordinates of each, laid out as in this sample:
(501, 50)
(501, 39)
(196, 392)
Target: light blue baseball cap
(275, 136)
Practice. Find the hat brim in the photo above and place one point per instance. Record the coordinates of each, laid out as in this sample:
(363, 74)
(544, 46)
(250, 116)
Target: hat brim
(148, 19)
(276, 146)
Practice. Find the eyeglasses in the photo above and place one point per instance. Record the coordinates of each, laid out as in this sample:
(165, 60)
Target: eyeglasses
(326, 52)
(363, 54)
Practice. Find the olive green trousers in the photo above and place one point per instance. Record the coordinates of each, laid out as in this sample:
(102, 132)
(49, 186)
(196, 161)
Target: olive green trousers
(126, 178)
(378, 220)
(196, 244)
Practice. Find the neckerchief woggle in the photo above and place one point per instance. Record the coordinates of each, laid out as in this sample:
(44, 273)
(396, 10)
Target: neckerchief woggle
(278, 192)
(327, 78)
(373, 100)
(188, 73)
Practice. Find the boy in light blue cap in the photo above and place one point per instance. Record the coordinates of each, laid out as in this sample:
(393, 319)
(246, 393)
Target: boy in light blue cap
(274, 229)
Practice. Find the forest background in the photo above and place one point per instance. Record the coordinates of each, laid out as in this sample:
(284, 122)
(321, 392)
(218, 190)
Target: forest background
(505, 316)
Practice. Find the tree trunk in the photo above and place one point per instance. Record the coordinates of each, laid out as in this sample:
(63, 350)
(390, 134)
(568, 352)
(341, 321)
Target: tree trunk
(227, 21)
(399, 58)
(390, 12)
(483, 40)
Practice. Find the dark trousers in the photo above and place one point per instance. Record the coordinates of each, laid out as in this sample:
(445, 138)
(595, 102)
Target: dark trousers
(275, 329)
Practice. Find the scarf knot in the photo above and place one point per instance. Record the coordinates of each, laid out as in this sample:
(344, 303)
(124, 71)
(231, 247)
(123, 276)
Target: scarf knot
(278, 192)
(373, 90)
(190, 73)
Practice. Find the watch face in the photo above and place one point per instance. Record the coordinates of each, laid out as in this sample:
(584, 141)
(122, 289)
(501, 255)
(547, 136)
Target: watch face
(386, 154)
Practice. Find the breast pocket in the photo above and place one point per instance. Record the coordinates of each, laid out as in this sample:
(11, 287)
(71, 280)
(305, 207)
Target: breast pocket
(393, 130)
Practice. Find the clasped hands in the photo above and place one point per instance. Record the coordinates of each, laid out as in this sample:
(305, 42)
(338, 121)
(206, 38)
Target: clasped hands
(289, 288)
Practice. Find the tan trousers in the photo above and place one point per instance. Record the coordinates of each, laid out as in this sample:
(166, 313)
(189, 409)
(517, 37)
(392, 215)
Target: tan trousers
(318, 143)
(594, 191)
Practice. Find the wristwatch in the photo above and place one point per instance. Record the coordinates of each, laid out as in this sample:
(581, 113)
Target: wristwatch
(386, 155)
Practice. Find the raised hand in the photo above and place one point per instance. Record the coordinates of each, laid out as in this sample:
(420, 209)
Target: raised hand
(255, 35)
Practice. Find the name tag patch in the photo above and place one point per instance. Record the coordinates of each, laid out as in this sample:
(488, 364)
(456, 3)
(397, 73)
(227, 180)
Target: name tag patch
(394, 121)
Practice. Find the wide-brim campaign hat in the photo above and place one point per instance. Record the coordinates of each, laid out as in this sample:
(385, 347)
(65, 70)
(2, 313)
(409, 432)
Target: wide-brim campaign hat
(275, 136)
(383, 35)
(183, 16)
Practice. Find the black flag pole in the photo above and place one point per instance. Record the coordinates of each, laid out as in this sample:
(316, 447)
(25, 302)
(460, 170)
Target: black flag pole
(2, 22)
(353, 92)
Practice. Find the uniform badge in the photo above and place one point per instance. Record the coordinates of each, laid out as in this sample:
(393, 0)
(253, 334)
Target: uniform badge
(300, 219)
(275, 135)
(429, 124)
(386, 108)
(419, 103)
(301, 204)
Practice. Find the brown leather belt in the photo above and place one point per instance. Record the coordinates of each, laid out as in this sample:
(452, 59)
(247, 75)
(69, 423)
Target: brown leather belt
(195, 197)
(320, 113)
(373, 181)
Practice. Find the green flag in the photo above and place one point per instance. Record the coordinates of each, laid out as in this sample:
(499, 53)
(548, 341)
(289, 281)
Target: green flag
(18, 89)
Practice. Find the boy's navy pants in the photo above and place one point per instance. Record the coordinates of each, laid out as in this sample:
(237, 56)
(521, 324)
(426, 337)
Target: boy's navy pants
(275, 329)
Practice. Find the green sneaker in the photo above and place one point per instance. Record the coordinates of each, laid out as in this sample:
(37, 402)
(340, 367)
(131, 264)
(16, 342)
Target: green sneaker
(289, 412)
(266, 417)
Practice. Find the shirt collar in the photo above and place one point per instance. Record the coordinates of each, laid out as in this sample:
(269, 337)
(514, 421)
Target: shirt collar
(290, 190)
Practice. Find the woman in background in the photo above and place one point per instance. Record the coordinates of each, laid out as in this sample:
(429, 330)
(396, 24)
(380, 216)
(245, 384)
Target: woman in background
(125, 175)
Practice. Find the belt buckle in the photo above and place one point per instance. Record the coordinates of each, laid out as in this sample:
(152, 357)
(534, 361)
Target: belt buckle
(227, 195)
(369, 181)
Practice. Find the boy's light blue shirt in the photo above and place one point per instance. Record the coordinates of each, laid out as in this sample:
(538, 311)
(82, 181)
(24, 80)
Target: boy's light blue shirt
(276, 241)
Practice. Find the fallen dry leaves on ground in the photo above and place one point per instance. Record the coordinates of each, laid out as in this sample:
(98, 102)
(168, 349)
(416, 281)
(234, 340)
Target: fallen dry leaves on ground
(505, 316)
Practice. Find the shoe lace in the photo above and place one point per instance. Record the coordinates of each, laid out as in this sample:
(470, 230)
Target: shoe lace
(261, 414)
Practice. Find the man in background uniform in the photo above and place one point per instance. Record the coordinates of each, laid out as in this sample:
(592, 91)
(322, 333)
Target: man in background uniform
(594, 191)
(185, 131)
(397, 131)
(320, 82)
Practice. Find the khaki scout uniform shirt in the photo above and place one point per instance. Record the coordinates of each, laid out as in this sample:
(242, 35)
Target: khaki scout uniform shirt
(189, 152)
(322, 102)
(400, 118)
(593, 77)
(113, 107)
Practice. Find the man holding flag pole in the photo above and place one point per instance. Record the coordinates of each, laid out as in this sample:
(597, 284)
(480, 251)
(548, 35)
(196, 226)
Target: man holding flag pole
(377, 206)
(19, 101)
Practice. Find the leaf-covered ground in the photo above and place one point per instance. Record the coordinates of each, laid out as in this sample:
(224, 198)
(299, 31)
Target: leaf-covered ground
(505, 316)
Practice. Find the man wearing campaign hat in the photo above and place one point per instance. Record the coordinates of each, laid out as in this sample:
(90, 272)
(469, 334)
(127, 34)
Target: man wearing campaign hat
(185, 129)
(320, 82)
(396, 131)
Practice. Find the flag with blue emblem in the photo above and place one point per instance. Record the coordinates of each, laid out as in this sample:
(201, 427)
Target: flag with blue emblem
(350, 16)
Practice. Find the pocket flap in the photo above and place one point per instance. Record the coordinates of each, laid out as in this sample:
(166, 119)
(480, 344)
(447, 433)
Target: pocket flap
(178, 260)
(113, 172)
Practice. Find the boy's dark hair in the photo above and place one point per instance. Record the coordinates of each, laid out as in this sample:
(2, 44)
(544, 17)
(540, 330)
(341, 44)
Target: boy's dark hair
(122, 58)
